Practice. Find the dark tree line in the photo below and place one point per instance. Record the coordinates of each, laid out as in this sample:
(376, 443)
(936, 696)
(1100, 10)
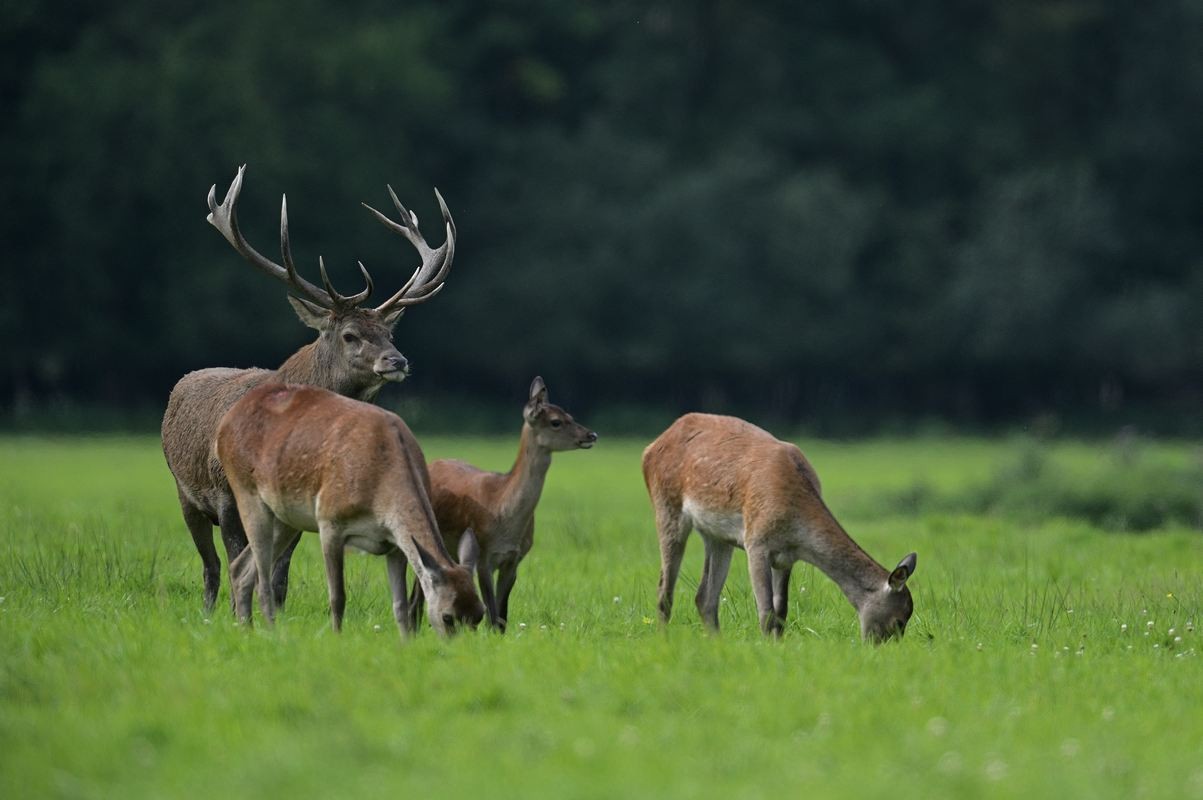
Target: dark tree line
(979, 209)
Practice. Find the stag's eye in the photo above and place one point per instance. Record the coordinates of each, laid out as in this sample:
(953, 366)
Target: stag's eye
(350, 338)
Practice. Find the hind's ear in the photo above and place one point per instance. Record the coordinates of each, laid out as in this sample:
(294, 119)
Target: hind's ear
(432, 567)
(902, 572)
(311, 314)
(469, 551)
(537, 401)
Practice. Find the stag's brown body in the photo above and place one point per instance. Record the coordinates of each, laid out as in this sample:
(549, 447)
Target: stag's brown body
(741, 487)
(353, 355)
(300, 458)
(499, 508)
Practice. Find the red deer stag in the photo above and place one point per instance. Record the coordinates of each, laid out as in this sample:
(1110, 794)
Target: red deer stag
(299, 458)
(741, 487)
(499, 510)
(353, 356)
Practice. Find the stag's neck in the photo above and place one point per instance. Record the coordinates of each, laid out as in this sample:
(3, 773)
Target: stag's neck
(524, 481)
(833, 551)
(309, 366)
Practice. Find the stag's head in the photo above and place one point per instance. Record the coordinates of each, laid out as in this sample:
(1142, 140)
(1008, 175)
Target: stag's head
(553, 428)
(451, 598)
(885, 613)
(355, 342)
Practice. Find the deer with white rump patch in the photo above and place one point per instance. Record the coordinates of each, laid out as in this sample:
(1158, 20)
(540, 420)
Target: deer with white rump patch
(353, 355)
(300, 458)
(499, 509)
(741, 487)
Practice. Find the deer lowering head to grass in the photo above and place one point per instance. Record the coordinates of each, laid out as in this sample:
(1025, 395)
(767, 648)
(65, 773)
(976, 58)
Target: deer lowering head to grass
(499, 509)
(740, 487)
(353, 355)
(299, 458)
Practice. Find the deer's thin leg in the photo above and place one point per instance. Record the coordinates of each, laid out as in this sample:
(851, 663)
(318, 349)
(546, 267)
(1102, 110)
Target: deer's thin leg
(781, 593)
(332, 553)
(484, 575)
(202, 536)
(760, 572)
(673, 528)
(507, 576)
(417, 604)
(259, 523)
(718, 554)
(397, 565)
(280, 574)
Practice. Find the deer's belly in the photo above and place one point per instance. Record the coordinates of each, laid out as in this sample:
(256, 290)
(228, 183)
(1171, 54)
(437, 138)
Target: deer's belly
(721, 524)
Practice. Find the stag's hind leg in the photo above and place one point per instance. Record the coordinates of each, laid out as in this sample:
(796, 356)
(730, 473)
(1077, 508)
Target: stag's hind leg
(201, 527)
(672, 528)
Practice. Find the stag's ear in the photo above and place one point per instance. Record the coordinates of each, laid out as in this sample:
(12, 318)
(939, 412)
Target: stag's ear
(311, 314)
(537, 401)
(469, 551)
(390, 317)
(432, 566)
(904, 570)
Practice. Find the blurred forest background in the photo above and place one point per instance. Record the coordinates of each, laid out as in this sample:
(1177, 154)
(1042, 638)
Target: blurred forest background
(846, 215)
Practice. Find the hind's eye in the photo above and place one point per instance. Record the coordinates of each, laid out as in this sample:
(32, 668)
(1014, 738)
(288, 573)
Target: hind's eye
(350, 338)
(555, 423)
(448, 620)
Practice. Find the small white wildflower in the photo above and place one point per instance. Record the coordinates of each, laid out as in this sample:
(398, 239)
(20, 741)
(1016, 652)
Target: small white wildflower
(376, 628)
(1155, 646)
(617, 599)
(979, 646)
(521, 626)
(1123, 628)
(1149, 624)
(1069, 611)
(1177, 639)
(542, 627)
(1170, 632)
(1035, 646)
(207, 621)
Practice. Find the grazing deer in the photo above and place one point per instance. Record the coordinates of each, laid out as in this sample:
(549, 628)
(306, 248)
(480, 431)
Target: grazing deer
(741, 487)
(299, 458)
(499, 510)
(353, 356)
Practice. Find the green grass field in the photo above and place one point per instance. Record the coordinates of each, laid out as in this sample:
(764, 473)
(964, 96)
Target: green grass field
(1046, 658)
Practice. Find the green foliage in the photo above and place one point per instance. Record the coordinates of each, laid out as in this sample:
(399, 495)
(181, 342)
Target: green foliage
(1125, 488)
(1046, 658)
(864, 209)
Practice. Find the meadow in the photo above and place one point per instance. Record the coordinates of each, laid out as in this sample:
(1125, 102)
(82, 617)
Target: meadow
(1052, 653)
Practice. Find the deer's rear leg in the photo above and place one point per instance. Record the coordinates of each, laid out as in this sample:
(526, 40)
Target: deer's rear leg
(714, 575)
(260, 525)
(672, 528)
(201, 528)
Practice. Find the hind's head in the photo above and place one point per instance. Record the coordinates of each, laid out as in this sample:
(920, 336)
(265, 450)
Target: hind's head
(554, 428)
(885, 613)
(451, 597)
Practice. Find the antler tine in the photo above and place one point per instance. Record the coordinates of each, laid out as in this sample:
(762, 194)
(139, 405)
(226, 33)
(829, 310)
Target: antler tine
(427, 280)
(341, 299)
(224, 217)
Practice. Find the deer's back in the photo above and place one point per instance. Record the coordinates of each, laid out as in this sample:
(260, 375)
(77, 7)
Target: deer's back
(464, 497)
(196, 405)
(726, 464)
(292, 444)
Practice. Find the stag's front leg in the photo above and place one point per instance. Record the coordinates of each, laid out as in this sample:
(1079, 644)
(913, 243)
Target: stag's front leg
(397, 564)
